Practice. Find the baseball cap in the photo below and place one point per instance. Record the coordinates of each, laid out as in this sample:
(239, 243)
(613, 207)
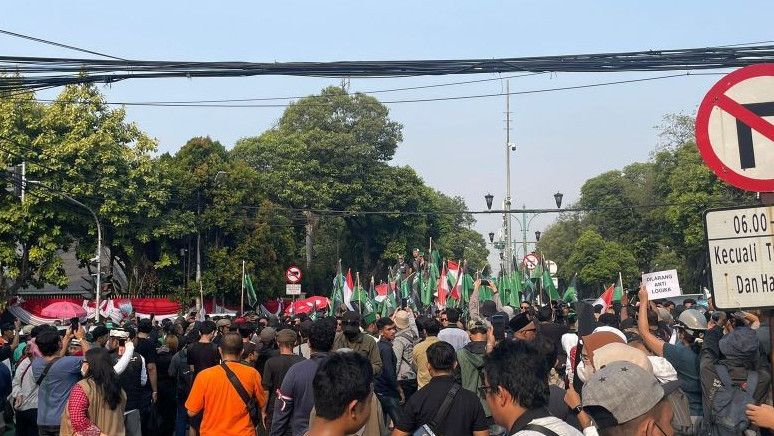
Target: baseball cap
(268, 334)
(285, 336)
(741, 343)
(620, 392)
(477, 324)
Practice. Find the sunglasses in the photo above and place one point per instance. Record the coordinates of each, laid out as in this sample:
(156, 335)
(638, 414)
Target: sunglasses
(353, 323)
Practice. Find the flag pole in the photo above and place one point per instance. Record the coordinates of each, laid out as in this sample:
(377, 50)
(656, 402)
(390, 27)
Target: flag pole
(359, 308)
(242, 298)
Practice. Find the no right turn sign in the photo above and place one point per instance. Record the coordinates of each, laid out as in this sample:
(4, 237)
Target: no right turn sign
(734, 130)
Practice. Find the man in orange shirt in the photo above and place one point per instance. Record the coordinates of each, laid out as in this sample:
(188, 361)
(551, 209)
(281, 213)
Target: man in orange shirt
(225, 413)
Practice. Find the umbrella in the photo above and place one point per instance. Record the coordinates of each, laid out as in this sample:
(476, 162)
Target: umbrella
(63, 310)
(299, 306)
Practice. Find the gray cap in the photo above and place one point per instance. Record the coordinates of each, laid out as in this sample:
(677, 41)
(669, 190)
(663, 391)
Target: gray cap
(623, 391)
(268, 334)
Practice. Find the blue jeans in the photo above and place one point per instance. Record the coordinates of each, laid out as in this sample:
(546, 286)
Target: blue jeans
(390, 407)
(181, 421)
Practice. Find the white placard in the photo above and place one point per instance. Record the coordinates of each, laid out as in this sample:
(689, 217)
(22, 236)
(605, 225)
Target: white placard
(662, 284)
(740, 244)
(293, 289)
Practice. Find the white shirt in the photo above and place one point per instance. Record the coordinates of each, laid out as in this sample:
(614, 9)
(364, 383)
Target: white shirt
(458, 338)
(24, 385)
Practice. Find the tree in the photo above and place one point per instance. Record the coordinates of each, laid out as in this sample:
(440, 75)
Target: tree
(598, 263)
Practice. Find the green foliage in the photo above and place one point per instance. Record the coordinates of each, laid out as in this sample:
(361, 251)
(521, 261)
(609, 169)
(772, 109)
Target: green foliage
(330, 151)
(653, 210)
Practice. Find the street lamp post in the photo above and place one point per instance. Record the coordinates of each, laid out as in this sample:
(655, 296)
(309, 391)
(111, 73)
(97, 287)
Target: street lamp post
(98, 257)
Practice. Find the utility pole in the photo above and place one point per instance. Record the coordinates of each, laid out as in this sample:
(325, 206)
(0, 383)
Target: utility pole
(199, 249)
(508, 234)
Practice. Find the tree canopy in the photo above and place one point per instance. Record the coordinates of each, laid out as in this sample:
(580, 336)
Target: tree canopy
(320, 178)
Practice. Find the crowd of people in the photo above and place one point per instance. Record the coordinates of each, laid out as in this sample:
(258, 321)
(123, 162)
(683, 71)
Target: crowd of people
(638, 367)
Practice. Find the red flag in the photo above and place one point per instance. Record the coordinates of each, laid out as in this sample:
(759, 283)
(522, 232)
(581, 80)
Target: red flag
(606, 299)
(443, 287)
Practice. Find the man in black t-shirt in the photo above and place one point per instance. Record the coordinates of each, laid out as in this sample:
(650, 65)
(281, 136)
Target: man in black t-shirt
(147, 349)
(203, 354)
(275, 369)
(465, 416)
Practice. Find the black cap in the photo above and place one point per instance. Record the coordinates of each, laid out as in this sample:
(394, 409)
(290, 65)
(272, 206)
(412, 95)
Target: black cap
(99, 331)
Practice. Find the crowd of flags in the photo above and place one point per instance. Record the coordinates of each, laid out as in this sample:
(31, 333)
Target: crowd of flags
(440, 284)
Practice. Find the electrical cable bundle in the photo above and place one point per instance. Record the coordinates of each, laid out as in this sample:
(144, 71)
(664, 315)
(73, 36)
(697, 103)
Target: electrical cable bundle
(32, 73)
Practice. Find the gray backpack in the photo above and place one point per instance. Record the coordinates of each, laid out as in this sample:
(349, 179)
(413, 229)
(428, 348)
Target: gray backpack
(728, 404)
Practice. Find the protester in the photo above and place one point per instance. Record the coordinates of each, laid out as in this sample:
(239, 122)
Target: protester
(203, 354)
(357, 341)
(516, 389)
(624, 399)
(443, 404)
(303, 348)
(523, 327)
(216, 393)
(167, 384)
(403, 347)
(471, 359)
(183, 376)
(386, 385)
(452, 334)
(431, 329)
(133, 380)
(295, 397)
(146, 347)
(96, 404)
(342, 395)
(25, 396)
(275, 370)
(267, 347)
(683, 356)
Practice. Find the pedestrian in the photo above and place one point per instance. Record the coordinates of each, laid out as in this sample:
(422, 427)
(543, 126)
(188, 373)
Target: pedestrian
(183, 376)
(216, 393)
(357, 341)
(406, 337)
(275, 370)
(471, 360)
(166, 384)
(146, 347)
(295, 398)
(451, 333)
(386, 385)
(442, 406)
(96, 403)
(431, 329)
(523, 327)
(25, 396)
(342, 395)
(516, 389)
(133, 380)
(267, 347)
(303, 348)
(203, 354)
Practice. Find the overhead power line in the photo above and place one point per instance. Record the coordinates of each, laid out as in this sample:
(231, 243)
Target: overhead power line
(37, 72)
(58, 44)
(320, 99)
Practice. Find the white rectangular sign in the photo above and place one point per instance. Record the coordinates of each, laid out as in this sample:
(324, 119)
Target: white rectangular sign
(662, 284)
(740, 244)
(293, 289)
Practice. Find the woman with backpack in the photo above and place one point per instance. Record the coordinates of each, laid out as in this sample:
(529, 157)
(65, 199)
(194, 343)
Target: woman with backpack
(96, 404)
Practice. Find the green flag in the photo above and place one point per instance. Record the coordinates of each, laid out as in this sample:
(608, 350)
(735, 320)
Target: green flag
(364, 304)
(514, 300)
(467, 288)
(252, 299)
(337, 295)
(571, 293)
(548, 285)
(618, 291)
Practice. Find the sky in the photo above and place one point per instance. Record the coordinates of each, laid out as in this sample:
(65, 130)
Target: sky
(458, 147)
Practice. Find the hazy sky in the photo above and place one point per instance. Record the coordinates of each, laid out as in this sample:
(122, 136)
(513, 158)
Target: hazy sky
(458, 147)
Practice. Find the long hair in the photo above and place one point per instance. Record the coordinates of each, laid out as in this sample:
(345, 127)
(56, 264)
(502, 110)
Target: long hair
(104, 376)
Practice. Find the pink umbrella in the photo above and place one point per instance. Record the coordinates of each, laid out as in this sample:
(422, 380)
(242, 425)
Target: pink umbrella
(63, 310)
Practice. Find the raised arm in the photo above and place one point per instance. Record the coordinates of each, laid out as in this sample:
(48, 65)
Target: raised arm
(654, 344)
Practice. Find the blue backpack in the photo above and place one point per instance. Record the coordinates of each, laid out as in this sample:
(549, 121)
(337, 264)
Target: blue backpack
(727, 408)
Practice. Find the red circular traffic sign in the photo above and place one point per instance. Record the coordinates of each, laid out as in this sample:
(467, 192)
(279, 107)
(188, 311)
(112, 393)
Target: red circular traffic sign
(293, 275)
(733, 137)
(530, 261)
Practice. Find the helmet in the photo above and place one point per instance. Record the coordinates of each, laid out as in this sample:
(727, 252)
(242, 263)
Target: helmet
(692, 319)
